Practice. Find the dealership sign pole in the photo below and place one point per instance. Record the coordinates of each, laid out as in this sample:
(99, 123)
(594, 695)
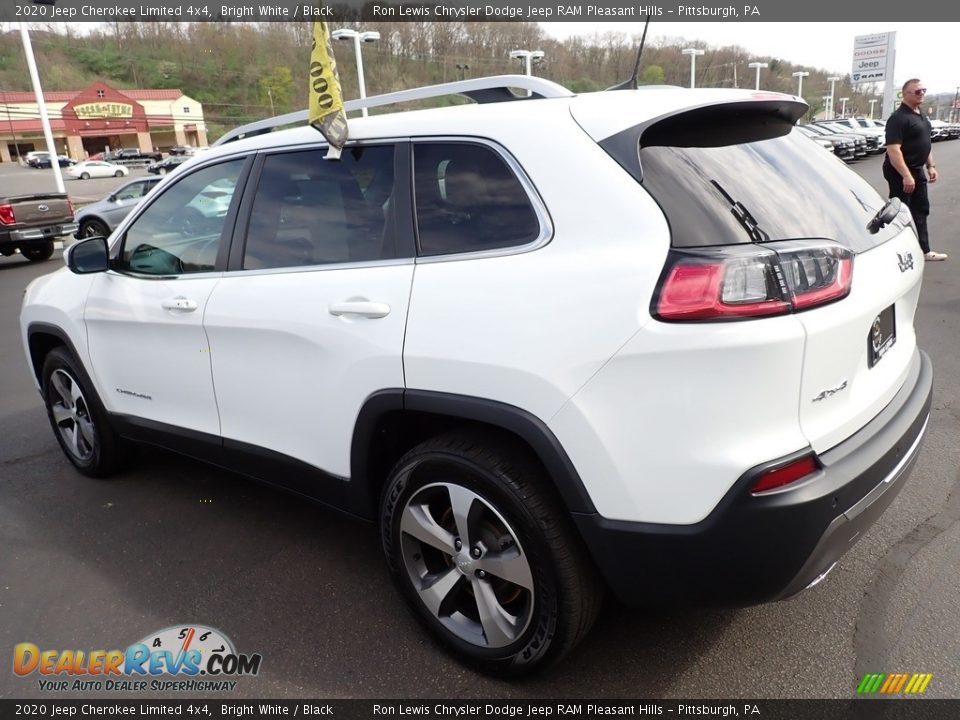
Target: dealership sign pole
(874, 61)
(44, 118)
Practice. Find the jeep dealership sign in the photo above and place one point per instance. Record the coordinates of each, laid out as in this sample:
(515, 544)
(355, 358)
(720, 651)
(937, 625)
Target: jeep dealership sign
(872, 57)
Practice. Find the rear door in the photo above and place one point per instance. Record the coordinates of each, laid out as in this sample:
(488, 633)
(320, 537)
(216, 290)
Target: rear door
(310, 319)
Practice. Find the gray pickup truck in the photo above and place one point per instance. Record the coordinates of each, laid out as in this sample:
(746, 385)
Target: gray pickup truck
(31, 223)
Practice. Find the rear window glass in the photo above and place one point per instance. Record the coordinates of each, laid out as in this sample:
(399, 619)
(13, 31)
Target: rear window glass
(786, 187)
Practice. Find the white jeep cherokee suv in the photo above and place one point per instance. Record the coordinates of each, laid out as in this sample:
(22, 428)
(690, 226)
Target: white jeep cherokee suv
(647, 341)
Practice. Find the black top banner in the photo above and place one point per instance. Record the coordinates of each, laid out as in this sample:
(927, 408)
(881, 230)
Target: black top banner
(473, 10)
(507, 710)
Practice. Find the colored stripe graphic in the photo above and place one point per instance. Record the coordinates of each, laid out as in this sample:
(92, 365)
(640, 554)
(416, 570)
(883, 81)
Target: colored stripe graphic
(894, 683)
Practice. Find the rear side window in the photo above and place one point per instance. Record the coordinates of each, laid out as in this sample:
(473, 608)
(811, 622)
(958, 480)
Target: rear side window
(312, 211)
(468, 199)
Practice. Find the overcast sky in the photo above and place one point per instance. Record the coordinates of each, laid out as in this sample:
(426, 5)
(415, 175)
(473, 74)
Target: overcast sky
(924, 50)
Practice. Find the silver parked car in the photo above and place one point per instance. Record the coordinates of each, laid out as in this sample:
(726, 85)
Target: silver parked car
(101, 217)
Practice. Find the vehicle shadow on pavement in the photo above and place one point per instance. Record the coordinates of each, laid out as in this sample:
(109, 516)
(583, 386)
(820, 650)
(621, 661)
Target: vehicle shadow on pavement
(98, 563)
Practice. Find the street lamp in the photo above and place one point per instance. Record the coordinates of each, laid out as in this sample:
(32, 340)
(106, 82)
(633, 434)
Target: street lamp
(800, 75)
(758, 65)
(872, 103)
(357, 37)
(692, 52)
(827, 100)
(528, 57)
(843, 107)
(42, 106)
(462, 67)
(833, 105)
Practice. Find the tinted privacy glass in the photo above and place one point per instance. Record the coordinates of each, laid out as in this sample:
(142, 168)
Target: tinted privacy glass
(180, 232)
(790, 188)
(468, 199)
(311, 211)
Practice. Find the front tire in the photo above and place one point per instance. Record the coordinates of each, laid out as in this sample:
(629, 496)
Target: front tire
(93, 228)
(38, 253)
(118, 173)
(85, 176)
(485, 554)
(78, 418)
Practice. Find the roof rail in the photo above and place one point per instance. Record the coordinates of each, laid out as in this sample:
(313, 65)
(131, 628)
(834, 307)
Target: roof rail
(480, 90)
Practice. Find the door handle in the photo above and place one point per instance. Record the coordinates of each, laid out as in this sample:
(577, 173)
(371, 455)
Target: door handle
(179, 303)
(362, 308)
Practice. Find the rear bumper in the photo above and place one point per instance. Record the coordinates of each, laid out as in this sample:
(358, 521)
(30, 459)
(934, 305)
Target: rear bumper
(753, 549)
(40, 233)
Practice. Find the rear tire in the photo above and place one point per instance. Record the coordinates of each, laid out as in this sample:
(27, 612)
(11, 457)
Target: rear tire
(38, 253)
(118, 173)
(79, 421)
(486, 555)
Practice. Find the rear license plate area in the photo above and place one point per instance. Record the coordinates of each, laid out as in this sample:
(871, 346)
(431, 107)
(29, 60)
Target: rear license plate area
(882, 335)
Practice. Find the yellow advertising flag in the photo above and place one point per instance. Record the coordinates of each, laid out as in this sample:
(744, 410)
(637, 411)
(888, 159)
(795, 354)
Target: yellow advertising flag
(326, 99)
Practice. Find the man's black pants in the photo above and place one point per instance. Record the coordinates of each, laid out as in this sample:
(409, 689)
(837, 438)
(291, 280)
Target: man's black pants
(917, 201)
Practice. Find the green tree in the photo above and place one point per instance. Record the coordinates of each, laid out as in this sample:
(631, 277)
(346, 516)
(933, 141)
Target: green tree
(652, 75)
(276, 89)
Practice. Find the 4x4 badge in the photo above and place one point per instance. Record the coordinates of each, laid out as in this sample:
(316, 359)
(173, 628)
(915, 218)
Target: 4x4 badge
(906, 261)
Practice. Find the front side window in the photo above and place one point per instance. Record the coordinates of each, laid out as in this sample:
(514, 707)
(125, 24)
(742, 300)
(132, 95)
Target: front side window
(312, 211)
(180, 232)
(132, 191)
(468, 199)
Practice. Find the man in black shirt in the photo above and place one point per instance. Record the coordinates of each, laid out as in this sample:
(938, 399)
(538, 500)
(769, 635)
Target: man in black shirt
(908, 151)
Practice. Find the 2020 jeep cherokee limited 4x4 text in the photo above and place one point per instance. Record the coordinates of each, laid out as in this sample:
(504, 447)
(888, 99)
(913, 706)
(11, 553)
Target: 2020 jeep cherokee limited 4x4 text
(660, 346)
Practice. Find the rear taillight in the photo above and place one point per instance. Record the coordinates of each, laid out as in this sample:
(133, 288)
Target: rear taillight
(70, 205)
(779, 477)
(738, 282)
(6, 215)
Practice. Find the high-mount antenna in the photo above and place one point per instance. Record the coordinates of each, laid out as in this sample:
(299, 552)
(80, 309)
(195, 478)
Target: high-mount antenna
(633, 82)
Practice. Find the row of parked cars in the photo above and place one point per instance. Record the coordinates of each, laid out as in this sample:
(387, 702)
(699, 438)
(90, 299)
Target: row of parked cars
(849, 138)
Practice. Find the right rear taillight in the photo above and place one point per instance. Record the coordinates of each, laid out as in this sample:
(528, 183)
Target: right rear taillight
(739, 282)
(6, 215)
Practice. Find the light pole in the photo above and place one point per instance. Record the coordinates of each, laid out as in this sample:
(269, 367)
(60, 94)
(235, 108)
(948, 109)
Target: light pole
(357, 37)
(528, 57)
(462, 67)
(44, 118)
(758, 66)
(800, 75)
(872, 103)
(956, 104)
(692, 52)
(843, 107)
(833, 105)
(827, 100)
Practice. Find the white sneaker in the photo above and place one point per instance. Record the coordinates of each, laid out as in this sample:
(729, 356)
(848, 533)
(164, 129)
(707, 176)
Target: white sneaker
(935, 256)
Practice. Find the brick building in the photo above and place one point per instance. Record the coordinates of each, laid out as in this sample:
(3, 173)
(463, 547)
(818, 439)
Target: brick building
(88, 121)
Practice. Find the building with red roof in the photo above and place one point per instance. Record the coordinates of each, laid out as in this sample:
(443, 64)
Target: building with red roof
(99, 118)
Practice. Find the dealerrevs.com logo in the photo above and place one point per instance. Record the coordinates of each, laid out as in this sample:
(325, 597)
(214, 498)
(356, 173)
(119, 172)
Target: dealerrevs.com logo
(187, 658)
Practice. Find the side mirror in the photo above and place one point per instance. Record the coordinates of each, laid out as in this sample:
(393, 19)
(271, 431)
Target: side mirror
(113, 198)
(885, 216)
(88, 256)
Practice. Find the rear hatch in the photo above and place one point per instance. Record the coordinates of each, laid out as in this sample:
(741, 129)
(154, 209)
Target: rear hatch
(41, 209)
(736, 179)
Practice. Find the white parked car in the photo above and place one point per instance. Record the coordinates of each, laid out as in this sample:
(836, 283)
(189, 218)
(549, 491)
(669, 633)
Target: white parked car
(96, 169)
(645, 342)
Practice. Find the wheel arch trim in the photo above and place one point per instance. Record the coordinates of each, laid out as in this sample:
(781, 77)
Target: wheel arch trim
(516, 421)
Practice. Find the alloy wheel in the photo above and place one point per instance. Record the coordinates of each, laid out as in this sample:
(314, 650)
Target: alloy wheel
(466, 565)
(71, 416)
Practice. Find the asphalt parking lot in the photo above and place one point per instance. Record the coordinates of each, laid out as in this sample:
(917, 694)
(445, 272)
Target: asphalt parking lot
(22, 180)
(100, 564)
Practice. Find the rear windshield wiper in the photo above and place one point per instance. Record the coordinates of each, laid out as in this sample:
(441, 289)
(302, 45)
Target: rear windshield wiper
(743, 216)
